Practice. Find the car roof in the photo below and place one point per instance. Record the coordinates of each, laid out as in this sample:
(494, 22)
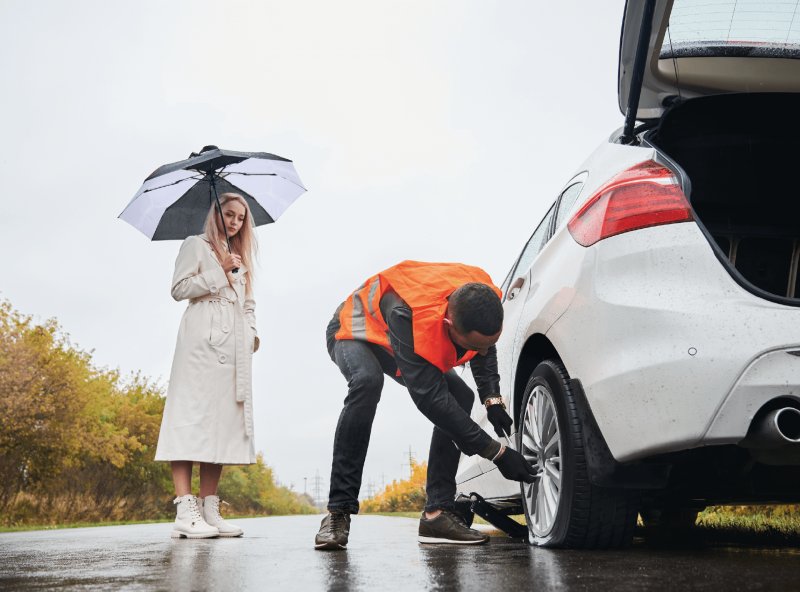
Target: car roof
(705, 47)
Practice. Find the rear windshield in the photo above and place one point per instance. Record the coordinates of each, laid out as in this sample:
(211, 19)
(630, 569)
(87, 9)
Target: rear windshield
(759, 28)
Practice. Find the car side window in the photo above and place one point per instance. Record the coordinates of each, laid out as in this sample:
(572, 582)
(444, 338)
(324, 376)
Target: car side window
(507, 281)
(568, 198)
(533, 246)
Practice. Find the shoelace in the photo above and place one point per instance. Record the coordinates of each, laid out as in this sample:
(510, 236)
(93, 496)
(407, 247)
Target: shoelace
(338, 521)
(194, 511)
(457, 517)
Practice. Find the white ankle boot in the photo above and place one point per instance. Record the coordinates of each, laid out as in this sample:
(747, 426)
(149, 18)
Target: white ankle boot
(210, 507)
(189, 522)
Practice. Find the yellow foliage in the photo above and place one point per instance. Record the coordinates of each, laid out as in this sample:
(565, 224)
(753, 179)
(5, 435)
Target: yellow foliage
(401, 496)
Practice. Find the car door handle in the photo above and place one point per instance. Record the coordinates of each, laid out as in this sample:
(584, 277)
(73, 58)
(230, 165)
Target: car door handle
(515, 288)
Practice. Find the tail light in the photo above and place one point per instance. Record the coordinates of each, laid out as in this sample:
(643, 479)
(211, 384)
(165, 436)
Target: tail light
(644, 195)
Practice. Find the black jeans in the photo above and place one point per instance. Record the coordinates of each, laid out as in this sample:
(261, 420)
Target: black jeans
(364, 365)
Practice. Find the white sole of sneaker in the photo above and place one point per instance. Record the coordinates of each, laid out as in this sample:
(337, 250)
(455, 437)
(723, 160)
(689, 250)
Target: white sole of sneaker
(177, 534)
(231, 534)
(438, 541)
(329, 547)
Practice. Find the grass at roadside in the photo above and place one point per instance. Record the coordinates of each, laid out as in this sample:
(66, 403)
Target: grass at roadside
(759, 525)
(28, 527)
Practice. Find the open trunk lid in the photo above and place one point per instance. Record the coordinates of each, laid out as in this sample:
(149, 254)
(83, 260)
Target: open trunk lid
(706, 47)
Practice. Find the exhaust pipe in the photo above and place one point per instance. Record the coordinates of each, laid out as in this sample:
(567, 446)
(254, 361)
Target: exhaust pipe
(776, 429)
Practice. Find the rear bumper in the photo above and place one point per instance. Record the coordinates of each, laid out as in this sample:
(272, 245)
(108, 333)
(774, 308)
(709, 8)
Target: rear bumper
(671, 352)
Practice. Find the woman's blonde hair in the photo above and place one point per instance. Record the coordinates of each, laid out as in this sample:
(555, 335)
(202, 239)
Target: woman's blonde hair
(243, 244)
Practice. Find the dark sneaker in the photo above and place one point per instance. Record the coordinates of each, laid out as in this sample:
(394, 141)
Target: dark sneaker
(333, 532)
(449, 527)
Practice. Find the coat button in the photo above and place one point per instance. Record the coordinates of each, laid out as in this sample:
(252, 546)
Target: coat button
(222, 358)
(214, 289)
(225, 328)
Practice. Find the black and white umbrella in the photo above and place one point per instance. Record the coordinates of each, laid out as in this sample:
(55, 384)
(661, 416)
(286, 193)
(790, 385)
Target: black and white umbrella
(174, 200)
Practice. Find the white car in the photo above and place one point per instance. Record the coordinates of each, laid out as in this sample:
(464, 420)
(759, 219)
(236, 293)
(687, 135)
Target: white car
(650, 354)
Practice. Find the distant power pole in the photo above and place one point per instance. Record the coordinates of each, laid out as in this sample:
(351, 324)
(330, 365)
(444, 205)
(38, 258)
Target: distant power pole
(305, 482)
(370, 488)
(411, 461)
(317, 488)
(383, 481)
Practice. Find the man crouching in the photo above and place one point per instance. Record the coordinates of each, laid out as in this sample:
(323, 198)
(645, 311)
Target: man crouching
(415, 322)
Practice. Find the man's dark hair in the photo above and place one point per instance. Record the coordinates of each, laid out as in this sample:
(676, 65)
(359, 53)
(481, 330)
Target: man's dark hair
(476, 307)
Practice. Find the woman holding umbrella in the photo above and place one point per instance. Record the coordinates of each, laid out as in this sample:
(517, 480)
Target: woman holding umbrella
(208, 413)
(208, 416)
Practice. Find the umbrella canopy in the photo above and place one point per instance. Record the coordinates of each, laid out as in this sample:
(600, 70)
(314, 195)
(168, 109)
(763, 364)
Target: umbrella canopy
(174, 200)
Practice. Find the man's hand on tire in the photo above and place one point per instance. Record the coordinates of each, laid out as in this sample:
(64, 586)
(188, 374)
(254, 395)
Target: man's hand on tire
(499, 419)
(513, 466)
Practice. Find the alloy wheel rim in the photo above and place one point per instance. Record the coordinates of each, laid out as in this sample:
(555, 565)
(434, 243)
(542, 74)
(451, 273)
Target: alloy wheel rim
(541, 446)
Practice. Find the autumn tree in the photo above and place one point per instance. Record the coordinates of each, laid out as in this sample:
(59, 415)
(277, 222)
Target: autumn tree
(407, 495)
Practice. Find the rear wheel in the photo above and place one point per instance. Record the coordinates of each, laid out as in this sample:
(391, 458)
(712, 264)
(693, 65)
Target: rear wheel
(562, 507)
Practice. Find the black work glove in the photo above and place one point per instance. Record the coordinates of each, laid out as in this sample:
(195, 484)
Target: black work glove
(513, 466)
(499, 419)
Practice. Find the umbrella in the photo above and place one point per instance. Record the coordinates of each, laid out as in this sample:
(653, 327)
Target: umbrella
(173, 201)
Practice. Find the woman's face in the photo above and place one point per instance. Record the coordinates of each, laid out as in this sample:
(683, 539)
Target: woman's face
(233, 214)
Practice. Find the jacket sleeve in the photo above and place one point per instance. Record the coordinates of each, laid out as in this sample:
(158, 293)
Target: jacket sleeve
(250, 317)
(188, 281)
(484, 371)
(429, 391)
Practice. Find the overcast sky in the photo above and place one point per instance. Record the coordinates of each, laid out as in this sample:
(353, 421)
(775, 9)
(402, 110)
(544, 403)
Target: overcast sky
(429, 130)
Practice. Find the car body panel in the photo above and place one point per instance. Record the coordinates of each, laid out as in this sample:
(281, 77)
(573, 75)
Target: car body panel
(658, 388)
(771, 375)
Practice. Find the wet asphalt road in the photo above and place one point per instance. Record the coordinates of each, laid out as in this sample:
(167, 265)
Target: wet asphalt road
(277, 554)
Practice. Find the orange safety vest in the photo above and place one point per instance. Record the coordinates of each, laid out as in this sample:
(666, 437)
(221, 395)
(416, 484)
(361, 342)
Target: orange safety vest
(425, 288)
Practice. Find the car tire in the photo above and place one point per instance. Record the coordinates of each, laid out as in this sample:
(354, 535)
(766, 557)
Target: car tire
(562, 507)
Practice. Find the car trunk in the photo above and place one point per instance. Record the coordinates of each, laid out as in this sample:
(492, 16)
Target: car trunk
(739, 153)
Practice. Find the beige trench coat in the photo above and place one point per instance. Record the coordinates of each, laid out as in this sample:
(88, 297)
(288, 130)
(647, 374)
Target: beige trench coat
(208, 415)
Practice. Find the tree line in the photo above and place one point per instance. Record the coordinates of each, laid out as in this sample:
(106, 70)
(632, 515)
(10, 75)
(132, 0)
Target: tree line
(407, 495)
(77, 442)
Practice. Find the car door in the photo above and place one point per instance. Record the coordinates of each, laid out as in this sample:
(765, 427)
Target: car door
(514, 296)
(515, 292)
(525, 282)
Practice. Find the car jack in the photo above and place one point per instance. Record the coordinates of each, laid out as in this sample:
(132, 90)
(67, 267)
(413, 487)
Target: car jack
(482, 508)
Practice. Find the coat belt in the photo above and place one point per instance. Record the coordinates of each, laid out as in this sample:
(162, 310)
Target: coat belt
(243, 360)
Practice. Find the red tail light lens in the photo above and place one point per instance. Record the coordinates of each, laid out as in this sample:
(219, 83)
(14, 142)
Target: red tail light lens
(644, 195)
